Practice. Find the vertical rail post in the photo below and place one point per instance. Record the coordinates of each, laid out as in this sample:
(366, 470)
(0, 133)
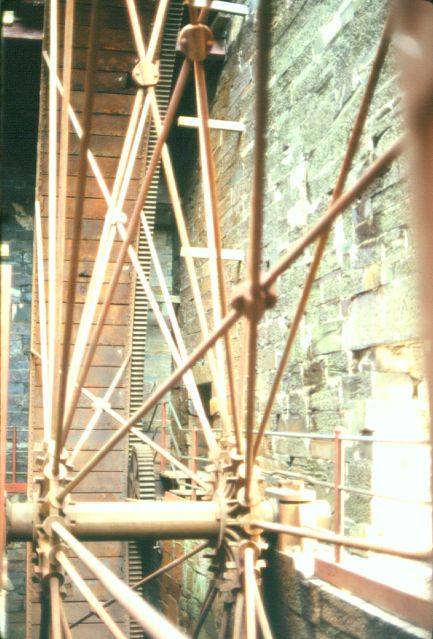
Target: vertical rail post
(163, 433)
(14, 454)
(5, 316)
(194, 455)
(338, 483)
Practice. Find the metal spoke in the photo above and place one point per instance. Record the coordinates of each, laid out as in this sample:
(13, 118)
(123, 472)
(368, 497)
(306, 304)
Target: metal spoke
(345, 200)
(93, 602)
(52, 196)
(185, 243)
(343, 540)
(261, 614)
(149, 619)
(210, 203)
(205, 609)
(99, 410)
(189, 378)
(160, 571)
(249, 590)
(147, 440)
(67, 634)
(238, 616)
(338, 189)
(158, 394)
(57, 401)
(131, 229)
(115, 202)
(42, 322)
(256, 228)
(55, 603)
(89, 95)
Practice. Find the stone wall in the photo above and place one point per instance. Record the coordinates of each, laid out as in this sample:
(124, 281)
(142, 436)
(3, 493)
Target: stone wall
(357, 362)
(17, 250)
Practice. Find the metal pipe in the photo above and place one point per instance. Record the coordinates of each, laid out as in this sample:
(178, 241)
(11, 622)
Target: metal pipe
(347, 438)
(343, 540)
(154, 624)
(338, 481)
(255, 234)
(249, 591)
(55, 603)
(261, 614)
(140, 520)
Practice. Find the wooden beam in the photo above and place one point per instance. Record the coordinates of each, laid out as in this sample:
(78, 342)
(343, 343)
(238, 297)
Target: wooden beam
(235, 8)
(202, 252)
(221, 125)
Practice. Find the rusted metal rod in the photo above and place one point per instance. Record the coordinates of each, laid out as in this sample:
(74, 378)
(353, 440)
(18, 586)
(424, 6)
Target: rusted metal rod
(338, 492)
(249, 592)
(99, 410)
(349, 196)
(205, 609)
(177, 356)
(218, 286)
(343, 540)
(55, 604)
(67, 634)
(95, 605)
(147, 440)
(261, 614)
(338, 189)
(5, 319)
(154, 624)
(255, 234)
(185, 243)
(130, 232)
(159, 393)
(52, 198)
(46, 406)
(156, 573)
(57, 409)
(89, 95)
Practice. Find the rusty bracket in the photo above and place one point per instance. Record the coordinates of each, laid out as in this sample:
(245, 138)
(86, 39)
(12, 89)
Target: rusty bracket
(145, 73)
(196, 41)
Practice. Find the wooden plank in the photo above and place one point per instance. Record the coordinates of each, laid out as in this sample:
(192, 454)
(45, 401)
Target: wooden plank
(234, 8)
(109, 39)
(106, 60)
(108, 81)
(203, 253)
(93, 208)
(101, 145)
(97, 482)
(108, 166)
(93, 189)
(106, 425)
(121, 294)
(111, 336)
(117, 400)
(220, 125)
(105, 103)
